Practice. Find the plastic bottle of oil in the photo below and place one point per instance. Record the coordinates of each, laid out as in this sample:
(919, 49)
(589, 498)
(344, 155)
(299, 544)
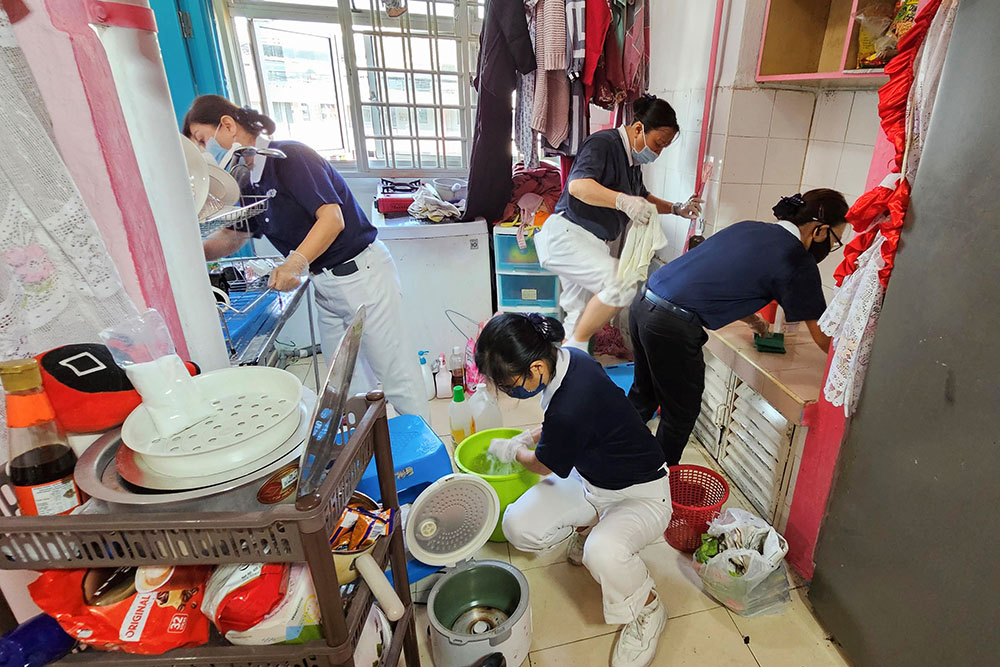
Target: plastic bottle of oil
(41, 460)
(459, 416)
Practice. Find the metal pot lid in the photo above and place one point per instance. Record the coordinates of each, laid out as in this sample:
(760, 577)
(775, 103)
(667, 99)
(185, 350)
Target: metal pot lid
(452, 519)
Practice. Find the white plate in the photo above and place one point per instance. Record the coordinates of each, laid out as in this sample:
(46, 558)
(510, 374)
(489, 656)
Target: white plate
(133, 468)
(256, 409)
(222, 186)
(197, 171)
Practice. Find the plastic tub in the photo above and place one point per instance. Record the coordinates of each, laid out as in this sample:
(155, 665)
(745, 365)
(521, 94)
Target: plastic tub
(697, 495)
(510, 487)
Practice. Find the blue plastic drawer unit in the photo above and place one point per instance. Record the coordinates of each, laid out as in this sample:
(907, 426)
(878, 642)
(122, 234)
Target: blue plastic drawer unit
(526, 291)
(511, 258)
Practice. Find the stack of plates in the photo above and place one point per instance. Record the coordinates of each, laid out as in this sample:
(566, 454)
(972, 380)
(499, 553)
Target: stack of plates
(213, 189)
(257, 410)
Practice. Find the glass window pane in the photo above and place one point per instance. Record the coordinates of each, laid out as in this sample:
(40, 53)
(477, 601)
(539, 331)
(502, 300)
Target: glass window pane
(242, 28)
(403, 153)
(421, 51)
(453, 155)
(377, 158)
(423, 85)
(449, 90)
(452, 123)
(400, 117)
(447, 55)
(429, 154)
(371, 86)
(427, 122)
(396, 85)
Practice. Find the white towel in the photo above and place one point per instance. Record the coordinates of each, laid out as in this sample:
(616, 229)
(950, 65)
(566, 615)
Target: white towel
(641, 244)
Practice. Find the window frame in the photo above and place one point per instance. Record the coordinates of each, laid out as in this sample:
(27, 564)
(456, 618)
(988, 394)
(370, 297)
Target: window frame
(466, 28)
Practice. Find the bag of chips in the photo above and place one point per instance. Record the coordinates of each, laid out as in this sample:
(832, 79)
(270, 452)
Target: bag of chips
(294, 620)
(238, 597)
(359, 528)
(102, 608)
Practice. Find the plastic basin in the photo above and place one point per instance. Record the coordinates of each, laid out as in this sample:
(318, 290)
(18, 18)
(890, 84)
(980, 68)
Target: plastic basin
(508, 487)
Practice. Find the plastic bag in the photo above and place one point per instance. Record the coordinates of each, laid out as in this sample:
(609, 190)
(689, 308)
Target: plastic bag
(102, 608)
(238, 597)
(875, 44)
(748, 573)
(296, 618)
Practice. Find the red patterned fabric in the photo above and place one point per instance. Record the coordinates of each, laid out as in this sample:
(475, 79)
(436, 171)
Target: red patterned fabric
(882, 202)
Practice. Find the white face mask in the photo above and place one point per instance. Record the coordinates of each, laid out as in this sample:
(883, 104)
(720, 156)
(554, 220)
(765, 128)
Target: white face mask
(647, 154)
(215, 149)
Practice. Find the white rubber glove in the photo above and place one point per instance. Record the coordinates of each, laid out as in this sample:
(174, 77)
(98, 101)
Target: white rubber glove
(638, 210)
(691, 209)
(505, 450)
(289, 274)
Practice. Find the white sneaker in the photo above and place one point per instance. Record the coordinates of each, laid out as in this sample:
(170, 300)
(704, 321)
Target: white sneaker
(636, 645)
(574, 553)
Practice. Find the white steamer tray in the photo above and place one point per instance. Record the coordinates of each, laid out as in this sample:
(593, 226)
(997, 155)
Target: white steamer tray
(256, 411)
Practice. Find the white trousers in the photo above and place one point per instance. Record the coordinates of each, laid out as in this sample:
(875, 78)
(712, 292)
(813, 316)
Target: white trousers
(385, 350)
(584, 265)
(626, 521)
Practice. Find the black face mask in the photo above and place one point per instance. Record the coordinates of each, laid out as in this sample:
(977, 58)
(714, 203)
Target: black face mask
(820, 250)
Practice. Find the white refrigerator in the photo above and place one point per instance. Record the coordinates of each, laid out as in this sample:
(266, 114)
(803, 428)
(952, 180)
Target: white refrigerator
(442, 267)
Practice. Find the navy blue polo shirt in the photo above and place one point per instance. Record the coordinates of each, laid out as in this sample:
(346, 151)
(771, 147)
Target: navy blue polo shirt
(603, 158)
(304, 182)
(590, 425)
(737, 271)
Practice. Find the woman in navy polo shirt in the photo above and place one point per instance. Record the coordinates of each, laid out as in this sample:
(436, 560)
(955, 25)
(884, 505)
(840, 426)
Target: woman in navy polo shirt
(603, 192)
(320, 227)
(730, 276)
(607, 493)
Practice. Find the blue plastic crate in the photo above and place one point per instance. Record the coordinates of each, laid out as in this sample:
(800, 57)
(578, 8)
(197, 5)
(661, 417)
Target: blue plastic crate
(520, 291)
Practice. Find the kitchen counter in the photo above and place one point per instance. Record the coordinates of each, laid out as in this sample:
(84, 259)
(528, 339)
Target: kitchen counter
(789, 382)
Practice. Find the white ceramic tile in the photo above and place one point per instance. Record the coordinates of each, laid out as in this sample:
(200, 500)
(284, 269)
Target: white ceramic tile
(736, 203)
(721, 107)
(680, 100)
(864, 123)
(751, 114)
(784, 160)
(698, 640)
(828, 266)
(790, 639)
(822, 163)
(769, 196)
(717, 149)
(833, 111)
(744, 161)
(565, 605)
(677, 584)
(793, 113)
(855, 161)
(689, 152)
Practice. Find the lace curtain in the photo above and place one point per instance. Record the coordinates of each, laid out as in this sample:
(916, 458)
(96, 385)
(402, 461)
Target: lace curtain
(852, 316)
(58, 284)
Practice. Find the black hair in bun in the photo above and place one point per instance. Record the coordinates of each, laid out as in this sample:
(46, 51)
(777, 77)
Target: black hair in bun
(511, 342)
(654, 113)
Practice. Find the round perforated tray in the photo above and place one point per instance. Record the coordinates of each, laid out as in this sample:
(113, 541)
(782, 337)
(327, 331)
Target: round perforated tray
(452, 519)
(256, 410)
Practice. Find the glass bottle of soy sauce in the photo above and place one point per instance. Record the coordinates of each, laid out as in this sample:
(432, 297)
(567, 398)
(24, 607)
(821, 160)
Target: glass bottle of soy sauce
(41, 460)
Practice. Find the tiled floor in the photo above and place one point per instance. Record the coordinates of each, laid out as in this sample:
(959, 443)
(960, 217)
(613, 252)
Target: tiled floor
(568, 630)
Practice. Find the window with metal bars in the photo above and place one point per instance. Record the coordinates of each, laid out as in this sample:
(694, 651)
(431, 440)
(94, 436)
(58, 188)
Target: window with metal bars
(374, 94)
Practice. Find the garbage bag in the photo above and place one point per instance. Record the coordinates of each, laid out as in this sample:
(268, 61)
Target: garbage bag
(748, 573)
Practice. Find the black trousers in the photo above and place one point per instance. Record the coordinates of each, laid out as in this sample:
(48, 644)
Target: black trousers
(669, 372)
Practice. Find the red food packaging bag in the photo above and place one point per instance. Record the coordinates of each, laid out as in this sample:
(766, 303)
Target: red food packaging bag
(238, 597)
(102, 608)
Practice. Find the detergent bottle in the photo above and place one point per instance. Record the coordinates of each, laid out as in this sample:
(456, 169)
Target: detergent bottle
(459, 416)
(485, 412)
(426, 375)
(442, 378)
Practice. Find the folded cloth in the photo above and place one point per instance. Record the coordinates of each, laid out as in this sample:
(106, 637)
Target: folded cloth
(428, 206)
(641, 244)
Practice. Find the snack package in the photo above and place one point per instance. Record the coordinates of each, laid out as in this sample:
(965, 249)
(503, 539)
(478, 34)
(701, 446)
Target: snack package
(102, 608)
(358, 528)
(875, 44)
(294, 621)
(238, 597)
(906, 16)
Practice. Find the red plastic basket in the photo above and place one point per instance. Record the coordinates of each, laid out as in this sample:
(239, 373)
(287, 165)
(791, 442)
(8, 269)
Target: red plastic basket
(697, 495)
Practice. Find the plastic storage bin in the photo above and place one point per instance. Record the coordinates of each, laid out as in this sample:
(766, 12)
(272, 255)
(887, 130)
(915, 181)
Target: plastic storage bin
(511, 258)
(525, 291)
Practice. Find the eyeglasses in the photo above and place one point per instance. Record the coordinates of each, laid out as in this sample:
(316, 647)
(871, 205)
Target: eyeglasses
(507, 388)
(834, 247)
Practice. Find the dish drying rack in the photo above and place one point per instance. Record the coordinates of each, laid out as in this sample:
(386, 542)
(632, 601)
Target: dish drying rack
(250, 207)
(282, 534)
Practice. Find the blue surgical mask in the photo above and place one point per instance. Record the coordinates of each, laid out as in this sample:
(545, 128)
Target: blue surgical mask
(215, 149)
(521, 393)
(646, 155)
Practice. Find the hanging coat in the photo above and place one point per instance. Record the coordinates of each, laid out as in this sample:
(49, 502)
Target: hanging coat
(504, 50)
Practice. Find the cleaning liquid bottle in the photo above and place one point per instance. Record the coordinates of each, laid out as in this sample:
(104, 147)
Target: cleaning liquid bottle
(485, 413)
(457, 367)
(426, 375)
(442, 379)
(41, 460)
(459, 417)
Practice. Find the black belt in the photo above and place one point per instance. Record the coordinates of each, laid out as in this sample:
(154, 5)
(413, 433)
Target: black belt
(673, 309)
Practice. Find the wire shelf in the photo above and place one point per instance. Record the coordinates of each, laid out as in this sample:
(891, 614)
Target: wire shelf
(250, 206)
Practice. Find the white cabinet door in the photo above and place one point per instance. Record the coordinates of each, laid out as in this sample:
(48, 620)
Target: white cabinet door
(715, 401)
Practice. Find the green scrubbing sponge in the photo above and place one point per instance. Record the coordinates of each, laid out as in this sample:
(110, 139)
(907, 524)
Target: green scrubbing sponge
(773, 343)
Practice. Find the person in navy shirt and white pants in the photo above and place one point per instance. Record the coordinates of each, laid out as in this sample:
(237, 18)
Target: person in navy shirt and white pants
(319, 226)
(607, 493)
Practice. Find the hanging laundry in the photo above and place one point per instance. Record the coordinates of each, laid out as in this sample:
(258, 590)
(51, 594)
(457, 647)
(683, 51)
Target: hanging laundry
(525, 137)
(504, 49)
(609, 79)
(576, 55)
(550, 116)
(635, 60)
(598, 21)
(544, 181)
